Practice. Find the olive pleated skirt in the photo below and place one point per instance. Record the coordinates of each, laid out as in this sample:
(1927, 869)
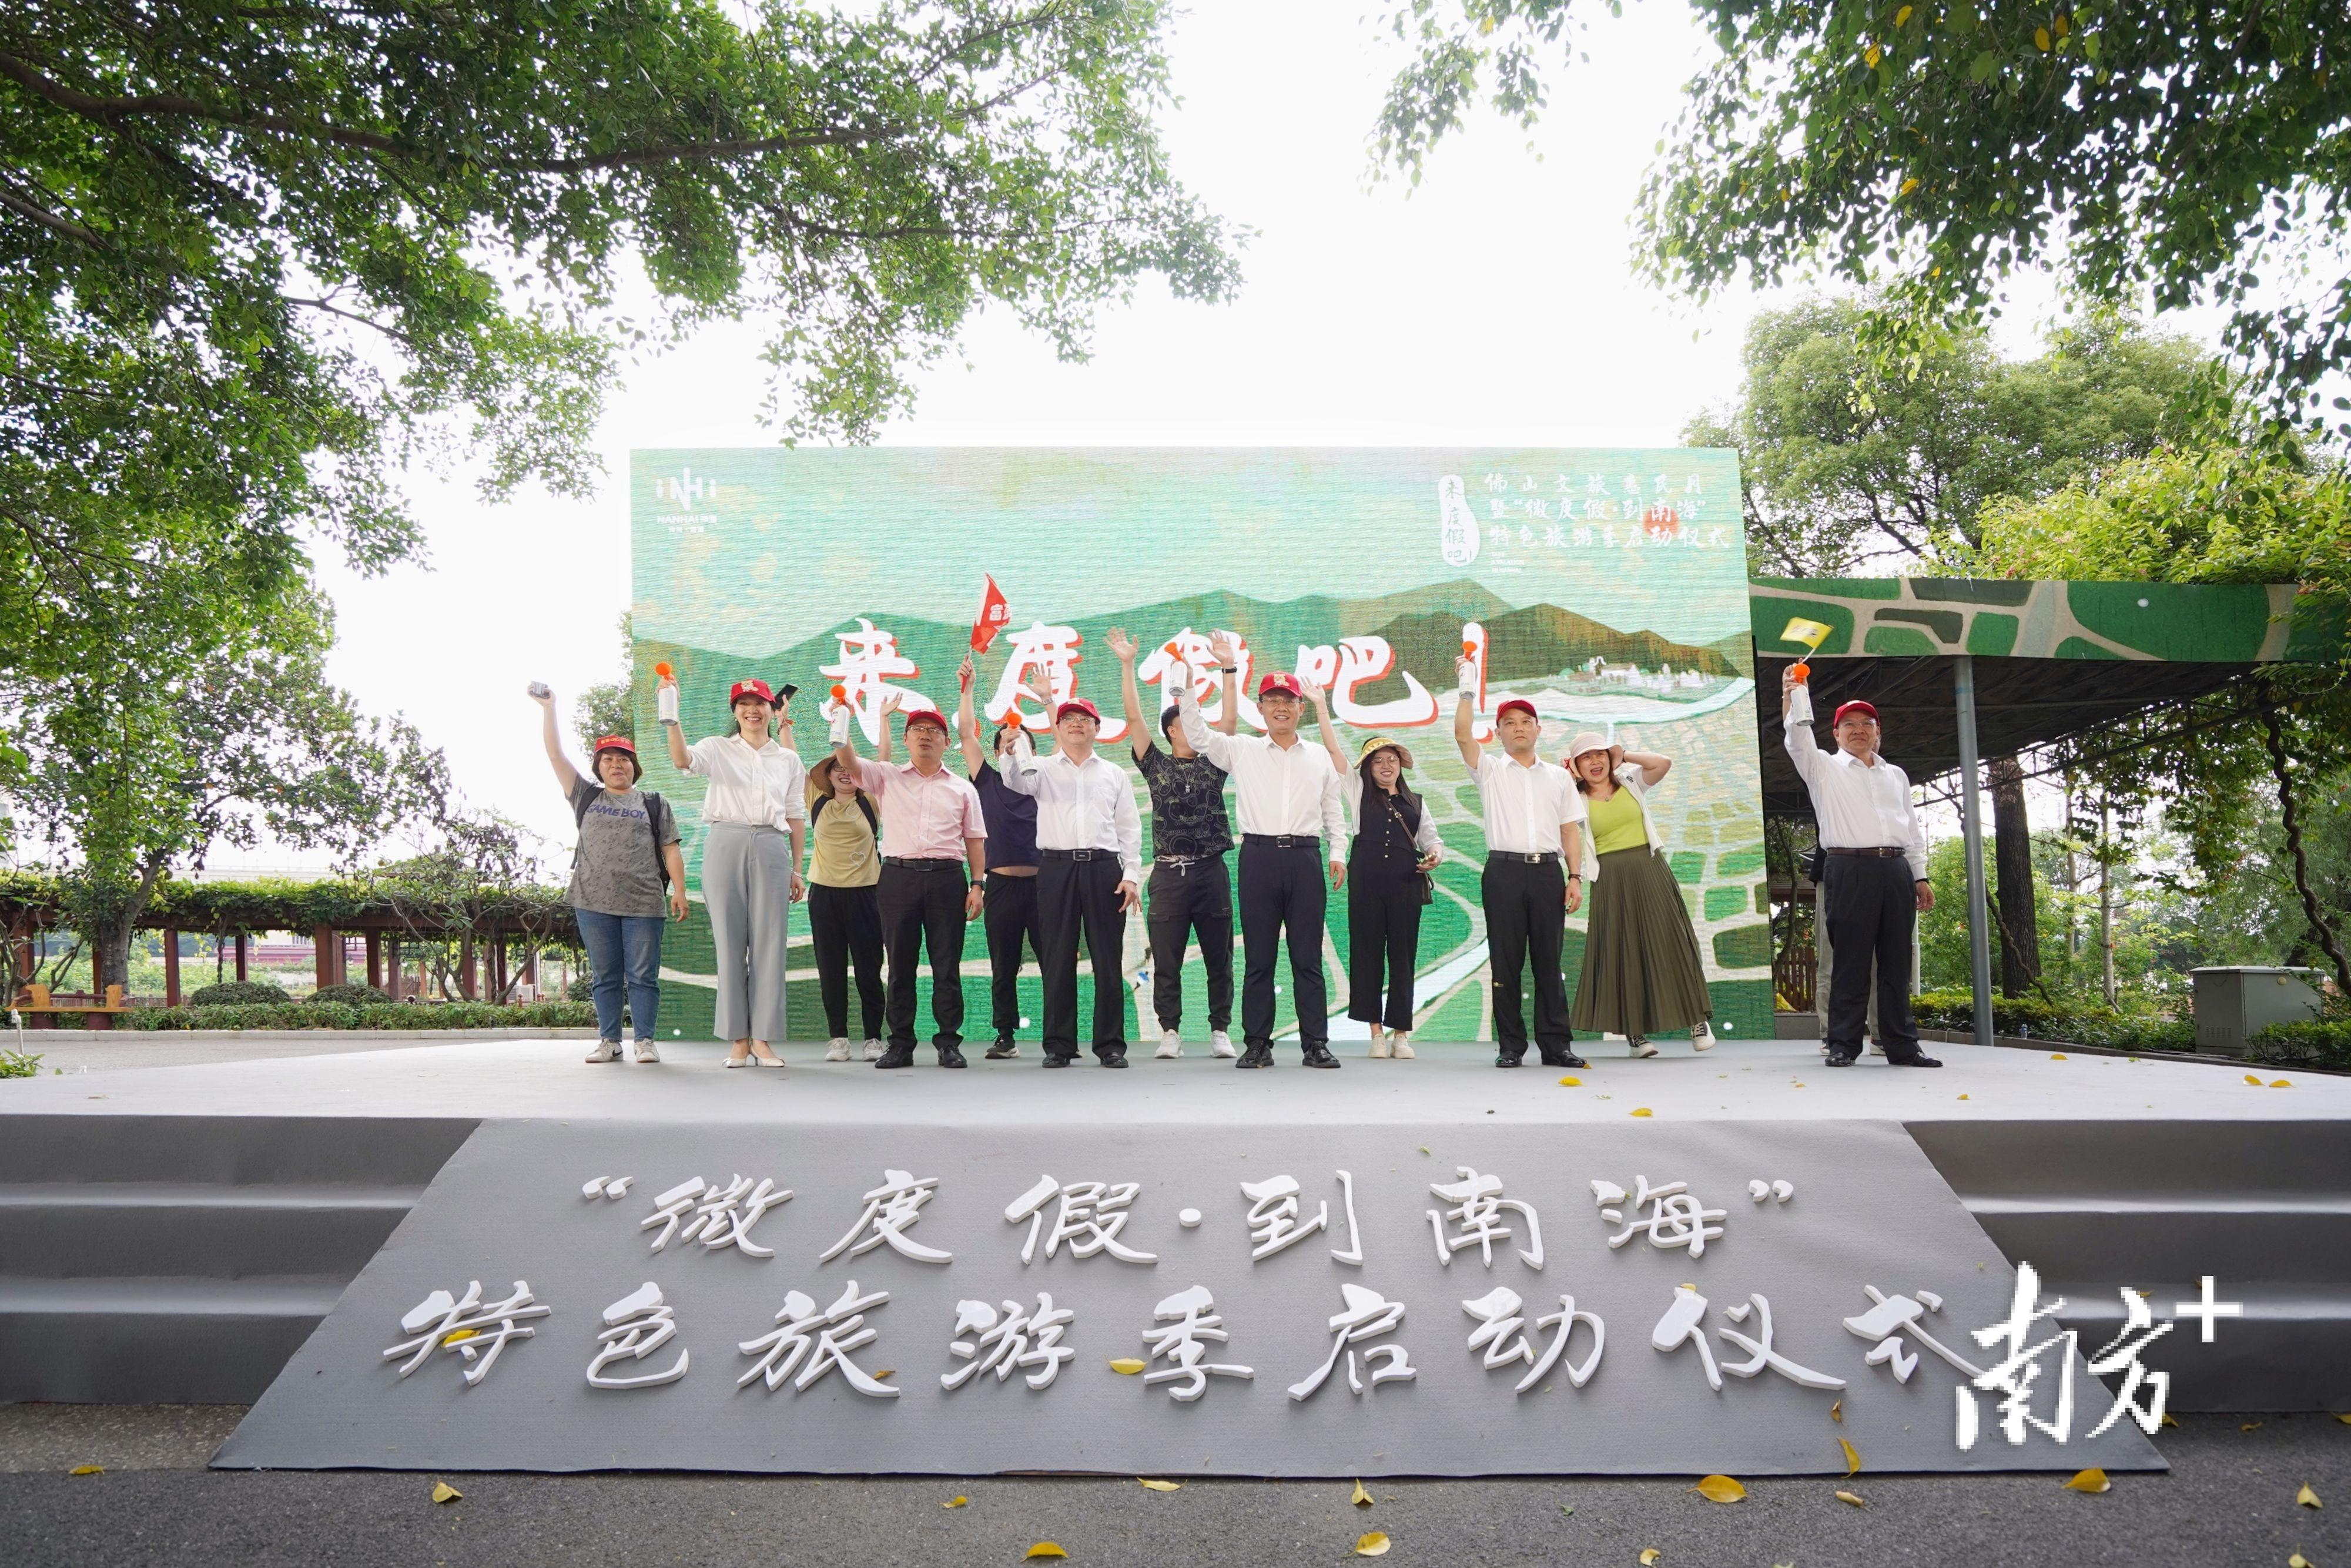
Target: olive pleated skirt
(1642, 972)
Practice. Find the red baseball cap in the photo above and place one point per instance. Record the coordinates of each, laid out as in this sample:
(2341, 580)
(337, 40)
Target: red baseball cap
(742, 689)
(925, 715)
(622, 744)
(1077, 705)
(1856, 706)
(1522, 705)
(1281, 682)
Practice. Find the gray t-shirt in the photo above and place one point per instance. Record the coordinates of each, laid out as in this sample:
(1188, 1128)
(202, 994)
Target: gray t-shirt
(615, 872)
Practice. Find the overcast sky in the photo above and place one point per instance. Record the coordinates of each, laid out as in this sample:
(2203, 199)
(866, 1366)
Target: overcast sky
(1496, 305)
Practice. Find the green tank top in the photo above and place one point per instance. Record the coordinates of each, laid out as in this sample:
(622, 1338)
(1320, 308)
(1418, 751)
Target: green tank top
(1617, 822)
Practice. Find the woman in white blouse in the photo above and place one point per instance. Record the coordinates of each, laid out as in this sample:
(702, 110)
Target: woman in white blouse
(755, 824)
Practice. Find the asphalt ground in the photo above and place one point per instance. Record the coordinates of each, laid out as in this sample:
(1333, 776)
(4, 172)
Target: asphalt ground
(2230, 1499)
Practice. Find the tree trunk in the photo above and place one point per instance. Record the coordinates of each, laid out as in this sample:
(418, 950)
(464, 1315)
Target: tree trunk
(2328, 942)
(2019, 922)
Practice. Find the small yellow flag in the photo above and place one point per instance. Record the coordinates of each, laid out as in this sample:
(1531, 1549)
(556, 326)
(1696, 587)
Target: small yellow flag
(1811, 633)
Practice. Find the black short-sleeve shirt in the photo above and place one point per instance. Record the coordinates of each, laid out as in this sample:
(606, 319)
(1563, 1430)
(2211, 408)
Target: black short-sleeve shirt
(1188, 804)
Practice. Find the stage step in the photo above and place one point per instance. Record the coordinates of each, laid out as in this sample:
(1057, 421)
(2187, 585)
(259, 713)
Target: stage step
(172, 1260)
(2265, 1207)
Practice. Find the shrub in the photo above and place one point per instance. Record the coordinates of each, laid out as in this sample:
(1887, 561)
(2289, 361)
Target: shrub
(2314, 1043)
(238, 993)
(340, 1015)
(351, 996)
(20, 1065)
(2068, 1022)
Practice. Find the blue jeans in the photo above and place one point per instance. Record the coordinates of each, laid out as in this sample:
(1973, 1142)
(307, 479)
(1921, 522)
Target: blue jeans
(623, 954)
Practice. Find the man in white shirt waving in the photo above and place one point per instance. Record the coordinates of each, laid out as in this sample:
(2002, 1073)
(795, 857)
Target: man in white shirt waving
(1287, 794)
(1875, 885)
(1534, 840)
(1089, 871)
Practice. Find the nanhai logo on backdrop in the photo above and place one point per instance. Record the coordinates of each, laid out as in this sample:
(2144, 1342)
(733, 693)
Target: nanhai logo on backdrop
(688, 490)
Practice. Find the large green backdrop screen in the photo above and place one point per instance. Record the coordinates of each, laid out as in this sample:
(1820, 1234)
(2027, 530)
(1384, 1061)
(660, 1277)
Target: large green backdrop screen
(1609, 586)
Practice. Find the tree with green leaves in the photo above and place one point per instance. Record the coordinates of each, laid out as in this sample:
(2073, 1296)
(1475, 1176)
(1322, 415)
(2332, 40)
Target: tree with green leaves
(2159, 149)
(609, 707)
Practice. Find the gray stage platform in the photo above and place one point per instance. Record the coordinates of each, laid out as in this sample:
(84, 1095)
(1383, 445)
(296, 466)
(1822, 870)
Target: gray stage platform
(177, 1233)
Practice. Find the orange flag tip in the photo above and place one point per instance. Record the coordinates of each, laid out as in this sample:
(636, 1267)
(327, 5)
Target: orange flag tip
(662, 669)
(841, 693)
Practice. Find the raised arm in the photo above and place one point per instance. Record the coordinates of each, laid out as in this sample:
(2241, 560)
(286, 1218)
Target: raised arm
(1323, 727)
(666, 696)
(1228, 717)
(1796, 708)
(565, 774)
(1020, 769)
(1218, 748)
(975, 754)
(1465, 716)
(1654, 764)
(1130, 695)
(881, 747)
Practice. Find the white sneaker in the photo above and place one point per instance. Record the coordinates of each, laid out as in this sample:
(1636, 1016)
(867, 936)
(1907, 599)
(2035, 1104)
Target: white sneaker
(1379, 1047)
(648, 1052)
(873, 1050)
(1171, 1044)
(1399, 1048)
(1637, 1047)
(606, 1050)
(1221, 1044)
(1701, 1038)
(839, 1049)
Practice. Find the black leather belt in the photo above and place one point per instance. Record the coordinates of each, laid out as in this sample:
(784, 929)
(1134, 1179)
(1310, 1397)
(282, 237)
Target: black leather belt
(1517, 858)
(939, 863)
(1283, 841)
(1078, 854)
(1876, 852)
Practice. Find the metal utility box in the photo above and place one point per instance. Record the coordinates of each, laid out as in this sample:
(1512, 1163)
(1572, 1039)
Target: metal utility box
(2231, 1004)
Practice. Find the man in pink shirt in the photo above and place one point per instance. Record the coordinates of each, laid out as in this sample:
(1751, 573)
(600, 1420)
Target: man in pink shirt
(934, 858)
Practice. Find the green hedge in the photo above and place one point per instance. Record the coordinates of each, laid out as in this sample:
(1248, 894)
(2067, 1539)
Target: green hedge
(356, 994)
(2074, 1023)
(239, 993)
(274, 904)
(342, 1015)
(2311, 1044)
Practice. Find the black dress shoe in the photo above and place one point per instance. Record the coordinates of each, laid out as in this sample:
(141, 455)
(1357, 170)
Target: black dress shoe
(1839, 1057)
(1320, 1056)
(1002, 1051)
(1256, 1056)
(1506, 1060)
(1915, 1059)
(1571, 1060)
(1114, 1058)
(896, 1056)
(950, 1056)
(1555, 1058)
(1052, 1060)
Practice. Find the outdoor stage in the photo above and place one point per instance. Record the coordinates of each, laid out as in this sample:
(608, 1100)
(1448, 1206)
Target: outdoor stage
(179, 1234)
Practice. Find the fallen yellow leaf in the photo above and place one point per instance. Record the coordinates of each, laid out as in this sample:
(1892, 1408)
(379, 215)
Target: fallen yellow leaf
(2248, 1425)
(1045, 1549)
(1126, 1366)
(87, 1470)
(2093, 1480)
(1719, 1489)
(460, 1334)
(1160, 1486)
(2254, 1081)
(1836, 1411)
(1962, 1096)
(2345, 1419)
(2281, 1083)
(443, 1492)
(2056, 1056)
(1851, 1457)
(2308, 1499)
(886, 1372)
(2170, 1419)
(1649, 1554)
(1641, 1112)
(1362, 1498)
(1571, 1081)
(2297, 1561)
(955, 1502)
(1851, 1497)
(1372, 1544)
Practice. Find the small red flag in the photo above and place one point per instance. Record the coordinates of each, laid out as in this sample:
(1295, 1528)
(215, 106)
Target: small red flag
(994, 614)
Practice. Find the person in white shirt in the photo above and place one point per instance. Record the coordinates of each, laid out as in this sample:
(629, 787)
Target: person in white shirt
(1876, 884)
(1287, 796)
(1534, 831)
(1089, 876)
(755, 828)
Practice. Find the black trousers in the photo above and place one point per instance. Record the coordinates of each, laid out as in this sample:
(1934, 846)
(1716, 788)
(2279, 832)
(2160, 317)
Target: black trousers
(1383, 933)
(1189, 900)
(845, 927)
(1076, 897)
(1526, 921)
(1010, 916)
(923, 909)
(1872, 908)
(1282, 897)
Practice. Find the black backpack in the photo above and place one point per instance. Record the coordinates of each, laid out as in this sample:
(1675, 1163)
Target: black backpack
(657, 818)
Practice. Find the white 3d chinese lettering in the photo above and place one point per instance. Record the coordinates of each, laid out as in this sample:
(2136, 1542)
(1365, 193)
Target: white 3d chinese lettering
(1675, 1219)
(1090, 1215)
(1477, 1203)
(820, 1339)
(891, 1210)
(1500, 1335)
(458, 1326)
(1006, 1344)
(1367, 1315)
(635, 1326)
(1194, 1315)
(1273, 1216)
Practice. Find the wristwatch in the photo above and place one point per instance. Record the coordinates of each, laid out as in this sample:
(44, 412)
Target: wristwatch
(1228, 669)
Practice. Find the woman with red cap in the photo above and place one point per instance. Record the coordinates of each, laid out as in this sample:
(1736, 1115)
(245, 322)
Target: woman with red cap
(1642, 972)
(628, 856)
(755, 824)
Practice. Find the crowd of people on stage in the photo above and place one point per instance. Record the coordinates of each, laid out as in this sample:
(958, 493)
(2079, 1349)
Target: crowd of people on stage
(896, 858)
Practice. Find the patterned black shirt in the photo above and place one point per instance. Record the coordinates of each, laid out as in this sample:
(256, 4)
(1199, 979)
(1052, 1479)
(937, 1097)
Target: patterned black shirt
(1188, 804)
